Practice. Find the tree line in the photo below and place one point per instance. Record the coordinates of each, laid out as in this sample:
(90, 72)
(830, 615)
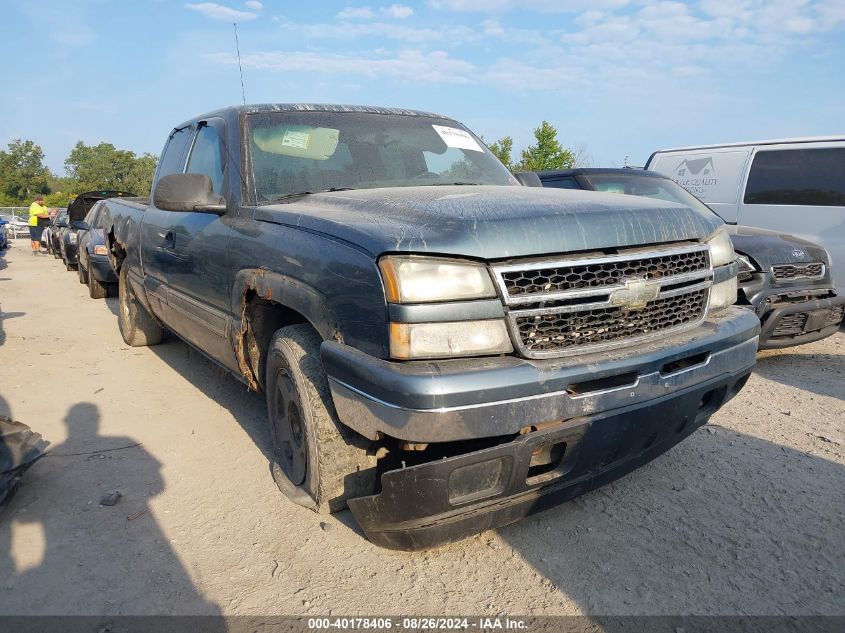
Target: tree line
(23, 175)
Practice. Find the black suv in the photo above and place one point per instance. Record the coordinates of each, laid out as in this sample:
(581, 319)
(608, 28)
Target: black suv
(786, 280)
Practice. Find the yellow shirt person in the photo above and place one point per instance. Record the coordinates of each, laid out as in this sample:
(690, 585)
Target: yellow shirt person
(37, 210)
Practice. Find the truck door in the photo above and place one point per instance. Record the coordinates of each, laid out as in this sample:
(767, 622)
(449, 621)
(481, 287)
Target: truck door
(191, 250)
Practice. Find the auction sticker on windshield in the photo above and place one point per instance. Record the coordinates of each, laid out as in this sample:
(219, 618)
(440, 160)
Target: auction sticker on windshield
(295, 139)
(460, 139)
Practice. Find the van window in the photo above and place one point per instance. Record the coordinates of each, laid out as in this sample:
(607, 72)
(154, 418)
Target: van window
(814, 177)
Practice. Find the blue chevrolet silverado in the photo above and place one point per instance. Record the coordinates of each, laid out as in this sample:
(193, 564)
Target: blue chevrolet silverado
(441, 349)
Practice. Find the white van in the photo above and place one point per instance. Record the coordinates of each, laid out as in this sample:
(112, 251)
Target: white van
(794, 186)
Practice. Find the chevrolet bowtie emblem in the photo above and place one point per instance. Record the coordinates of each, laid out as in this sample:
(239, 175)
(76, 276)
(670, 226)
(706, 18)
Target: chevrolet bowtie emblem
(636, 294)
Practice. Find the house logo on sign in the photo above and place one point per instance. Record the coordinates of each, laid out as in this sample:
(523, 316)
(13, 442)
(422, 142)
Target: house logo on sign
(696, 167)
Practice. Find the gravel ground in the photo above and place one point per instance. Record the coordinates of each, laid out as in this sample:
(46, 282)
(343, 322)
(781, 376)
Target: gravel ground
(747, 516)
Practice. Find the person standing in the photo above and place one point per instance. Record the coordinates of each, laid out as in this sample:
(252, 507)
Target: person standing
(38, 217)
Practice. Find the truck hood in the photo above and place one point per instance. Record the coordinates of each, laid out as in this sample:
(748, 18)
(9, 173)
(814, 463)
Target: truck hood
(768, 248)
(489, 222)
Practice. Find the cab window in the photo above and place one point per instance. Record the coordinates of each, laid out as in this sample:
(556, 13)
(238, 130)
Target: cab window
(206, 156)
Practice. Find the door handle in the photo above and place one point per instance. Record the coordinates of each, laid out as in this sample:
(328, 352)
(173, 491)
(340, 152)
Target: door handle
(170, 240)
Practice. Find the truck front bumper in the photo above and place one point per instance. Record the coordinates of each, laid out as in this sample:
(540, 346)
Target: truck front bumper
(443, 401)
(441, 501)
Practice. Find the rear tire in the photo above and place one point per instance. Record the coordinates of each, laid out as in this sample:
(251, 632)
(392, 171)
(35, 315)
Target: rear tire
(137, 326)
(96, 289)
(317, 461)
(82, 274)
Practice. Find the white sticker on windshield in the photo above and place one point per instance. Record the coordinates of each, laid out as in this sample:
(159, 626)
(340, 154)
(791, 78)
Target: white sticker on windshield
(296, 139)
(454, 137)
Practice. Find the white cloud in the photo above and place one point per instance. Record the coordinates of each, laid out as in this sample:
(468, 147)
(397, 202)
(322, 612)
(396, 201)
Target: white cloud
(220, 12)
(543, 6)
(399, 11)
(254, 5)
(407, 66)
(454, 34)
(356, 13)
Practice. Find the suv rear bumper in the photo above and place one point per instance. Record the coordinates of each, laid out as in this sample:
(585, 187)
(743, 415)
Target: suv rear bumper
(444, 500)
(442, 401)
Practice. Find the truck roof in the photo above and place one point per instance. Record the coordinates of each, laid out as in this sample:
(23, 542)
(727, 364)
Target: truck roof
(309, 107)
(777, 141)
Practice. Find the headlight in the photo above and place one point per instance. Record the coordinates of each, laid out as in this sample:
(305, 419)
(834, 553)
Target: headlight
(100, 249)
(746, 266)
(721, 248)
(723, 294)
(422, 280)
(446, 340)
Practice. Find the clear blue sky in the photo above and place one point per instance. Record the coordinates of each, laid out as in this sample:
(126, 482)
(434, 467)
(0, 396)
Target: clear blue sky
(618, 77)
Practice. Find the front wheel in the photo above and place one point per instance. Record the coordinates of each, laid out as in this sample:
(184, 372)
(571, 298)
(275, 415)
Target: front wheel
(96, 289)
(318, 462)
(137, 326)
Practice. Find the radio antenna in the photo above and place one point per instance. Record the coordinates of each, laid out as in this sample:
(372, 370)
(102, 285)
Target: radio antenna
(240, 68)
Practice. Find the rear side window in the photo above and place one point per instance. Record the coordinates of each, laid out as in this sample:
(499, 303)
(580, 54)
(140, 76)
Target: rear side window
(206, 156)
(173, 156)
(810, 177)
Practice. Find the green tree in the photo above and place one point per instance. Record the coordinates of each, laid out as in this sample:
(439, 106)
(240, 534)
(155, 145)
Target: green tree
(503, 149)
(547, 152)
(140, 179)
(98, 166)
(22, 171)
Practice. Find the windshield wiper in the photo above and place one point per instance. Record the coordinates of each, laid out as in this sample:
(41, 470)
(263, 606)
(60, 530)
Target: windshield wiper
(300, 194)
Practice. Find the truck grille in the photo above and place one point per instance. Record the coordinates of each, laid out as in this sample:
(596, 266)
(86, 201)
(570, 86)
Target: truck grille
(598, 301)
(562, 277)
(785, 272)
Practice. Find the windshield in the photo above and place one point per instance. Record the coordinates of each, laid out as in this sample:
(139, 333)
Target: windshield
(300, 152)
(648, 186)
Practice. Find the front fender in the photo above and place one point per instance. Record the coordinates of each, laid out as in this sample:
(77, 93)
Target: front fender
(286, 291)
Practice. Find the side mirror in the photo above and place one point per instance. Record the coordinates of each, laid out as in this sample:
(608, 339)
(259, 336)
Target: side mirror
(187, 192)
(528, 179)
(80, 225)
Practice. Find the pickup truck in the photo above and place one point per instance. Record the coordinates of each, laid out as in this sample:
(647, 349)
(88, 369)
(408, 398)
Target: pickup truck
(441, 349)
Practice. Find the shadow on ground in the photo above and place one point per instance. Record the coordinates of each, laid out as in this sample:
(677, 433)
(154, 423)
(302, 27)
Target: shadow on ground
(66, 541)
(723, 523)
(823, 374)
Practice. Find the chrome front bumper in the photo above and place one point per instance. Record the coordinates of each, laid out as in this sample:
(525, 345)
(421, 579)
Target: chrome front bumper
(465, 399)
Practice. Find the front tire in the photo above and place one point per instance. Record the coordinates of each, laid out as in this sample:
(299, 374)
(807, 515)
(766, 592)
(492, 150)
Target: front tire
(96, 289)
(137, 326)
(317, 461)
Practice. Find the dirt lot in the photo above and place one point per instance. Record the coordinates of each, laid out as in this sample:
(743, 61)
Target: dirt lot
(745, 517)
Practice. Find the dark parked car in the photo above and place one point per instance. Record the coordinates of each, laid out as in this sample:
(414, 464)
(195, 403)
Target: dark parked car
(4, 239)
(786, 280)
(77, 210)
(93, 267)
(54, 233)
(410, 313)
